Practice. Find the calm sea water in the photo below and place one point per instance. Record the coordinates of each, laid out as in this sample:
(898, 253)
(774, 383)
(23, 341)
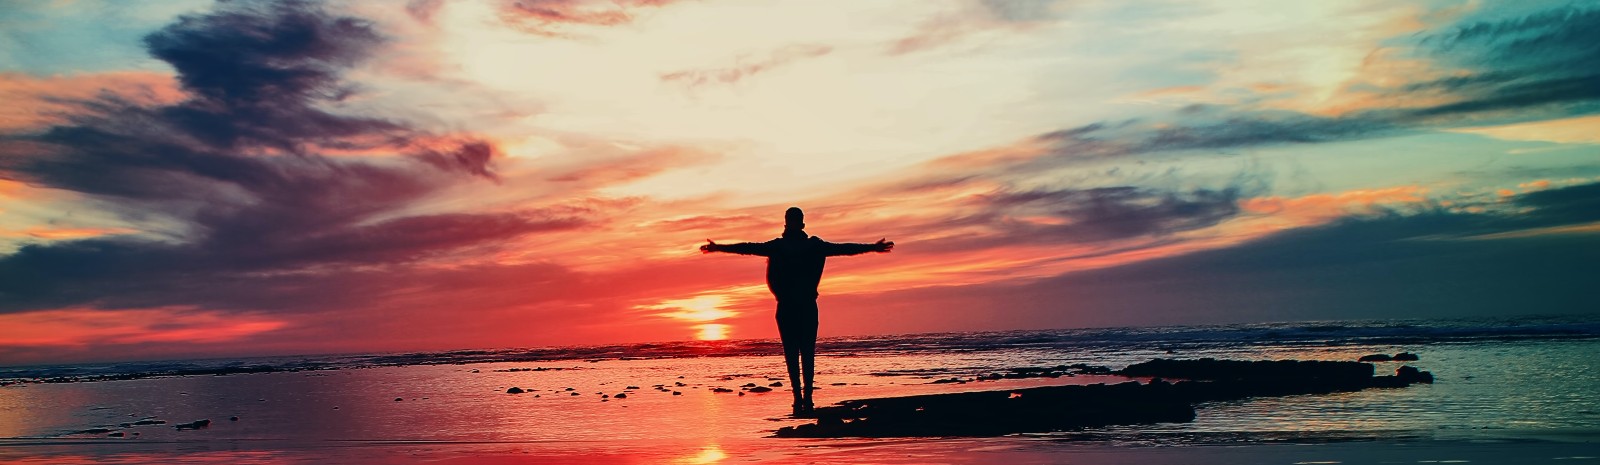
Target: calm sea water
(1497, 380)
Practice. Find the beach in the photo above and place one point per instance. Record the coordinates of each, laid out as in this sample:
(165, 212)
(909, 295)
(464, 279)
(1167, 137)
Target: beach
(1518, 392)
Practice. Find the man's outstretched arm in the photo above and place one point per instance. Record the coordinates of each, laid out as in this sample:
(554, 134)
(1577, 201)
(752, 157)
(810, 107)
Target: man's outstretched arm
(742, 248)
(832, 249)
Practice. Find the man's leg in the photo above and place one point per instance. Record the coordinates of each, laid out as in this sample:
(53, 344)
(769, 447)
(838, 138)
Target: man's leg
(808, 348)
(791, 337)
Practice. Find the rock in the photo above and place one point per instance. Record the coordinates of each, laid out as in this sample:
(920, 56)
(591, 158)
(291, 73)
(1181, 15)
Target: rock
(197, 424)
(605, 396)
(397, 399)
(632, 387)
(233, 418)
(741, 393)
(1375, 358)
(759, 389)
(621, 395)
(676, 393)
(748, 385)
(117, 434)
(93, 431)
(1410, 374)
(1058, 408)
(1405, 357)
(574, 393)
(513, 390)
(777, 384)
(721, 389)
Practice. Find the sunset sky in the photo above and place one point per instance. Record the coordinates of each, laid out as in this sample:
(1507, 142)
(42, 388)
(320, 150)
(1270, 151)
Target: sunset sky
(186, 179)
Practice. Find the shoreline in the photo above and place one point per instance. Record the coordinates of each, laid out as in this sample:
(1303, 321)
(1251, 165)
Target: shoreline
(1012, 450)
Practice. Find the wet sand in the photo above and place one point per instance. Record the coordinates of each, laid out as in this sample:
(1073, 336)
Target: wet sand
(1500, 403)
(1007, 450)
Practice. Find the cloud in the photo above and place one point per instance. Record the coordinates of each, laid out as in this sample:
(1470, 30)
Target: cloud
(33, 102)
(1422, 264)
(1538, 66)
(236, 169)
(1117, 213)
(745, 67)
(632, 167)
(973, 18)
(557, 17)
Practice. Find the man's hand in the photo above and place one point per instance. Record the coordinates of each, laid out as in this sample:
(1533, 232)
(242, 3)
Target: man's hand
(883, 245)
(709, 247)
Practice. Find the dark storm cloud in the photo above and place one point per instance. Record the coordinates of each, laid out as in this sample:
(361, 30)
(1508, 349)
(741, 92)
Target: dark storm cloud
(1113, 213)
(1437, 263)
(236, 167)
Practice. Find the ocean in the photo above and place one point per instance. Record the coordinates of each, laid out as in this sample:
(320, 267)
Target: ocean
(1523, 384)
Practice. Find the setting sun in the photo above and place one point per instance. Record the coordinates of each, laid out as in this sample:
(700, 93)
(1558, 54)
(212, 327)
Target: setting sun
(711, 332)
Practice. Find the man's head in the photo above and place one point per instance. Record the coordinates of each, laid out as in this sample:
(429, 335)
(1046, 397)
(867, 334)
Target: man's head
(794, 223)
(794, 218)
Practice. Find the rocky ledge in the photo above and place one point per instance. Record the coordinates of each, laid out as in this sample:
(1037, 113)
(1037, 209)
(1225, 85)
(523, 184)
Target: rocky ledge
(1058, 408)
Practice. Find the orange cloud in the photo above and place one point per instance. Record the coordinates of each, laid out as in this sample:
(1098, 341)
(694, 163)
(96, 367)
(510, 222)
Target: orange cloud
(40, 232)
(84, 326)
(32, 102)
(1316, 208)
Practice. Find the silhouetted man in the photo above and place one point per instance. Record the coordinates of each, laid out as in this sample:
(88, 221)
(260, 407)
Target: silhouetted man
(794, 267)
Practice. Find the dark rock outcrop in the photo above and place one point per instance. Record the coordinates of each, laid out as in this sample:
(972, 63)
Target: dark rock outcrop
(197, 424)
(513, 390)
(1056, 408)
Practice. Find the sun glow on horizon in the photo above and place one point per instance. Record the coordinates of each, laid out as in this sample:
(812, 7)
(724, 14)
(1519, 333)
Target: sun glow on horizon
(711, 332)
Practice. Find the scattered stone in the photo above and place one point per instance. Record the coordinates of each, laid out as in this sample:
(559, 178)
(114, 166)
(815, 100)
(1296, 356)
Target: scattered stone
(632, 387)
(676, 393)
(776, 384)
(1405, 357)
(93, 431)
(837, 384)
(117, 434)
(759, 389)
(513, 390)
(397, 399)
(680, 383)
(233, 418)
(748, 385)
(741, 393)
(621, 395)
(1410, 374)
(197, 424)
(605, 396)
(721, 389)
(574, 393)
(1375, 358)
